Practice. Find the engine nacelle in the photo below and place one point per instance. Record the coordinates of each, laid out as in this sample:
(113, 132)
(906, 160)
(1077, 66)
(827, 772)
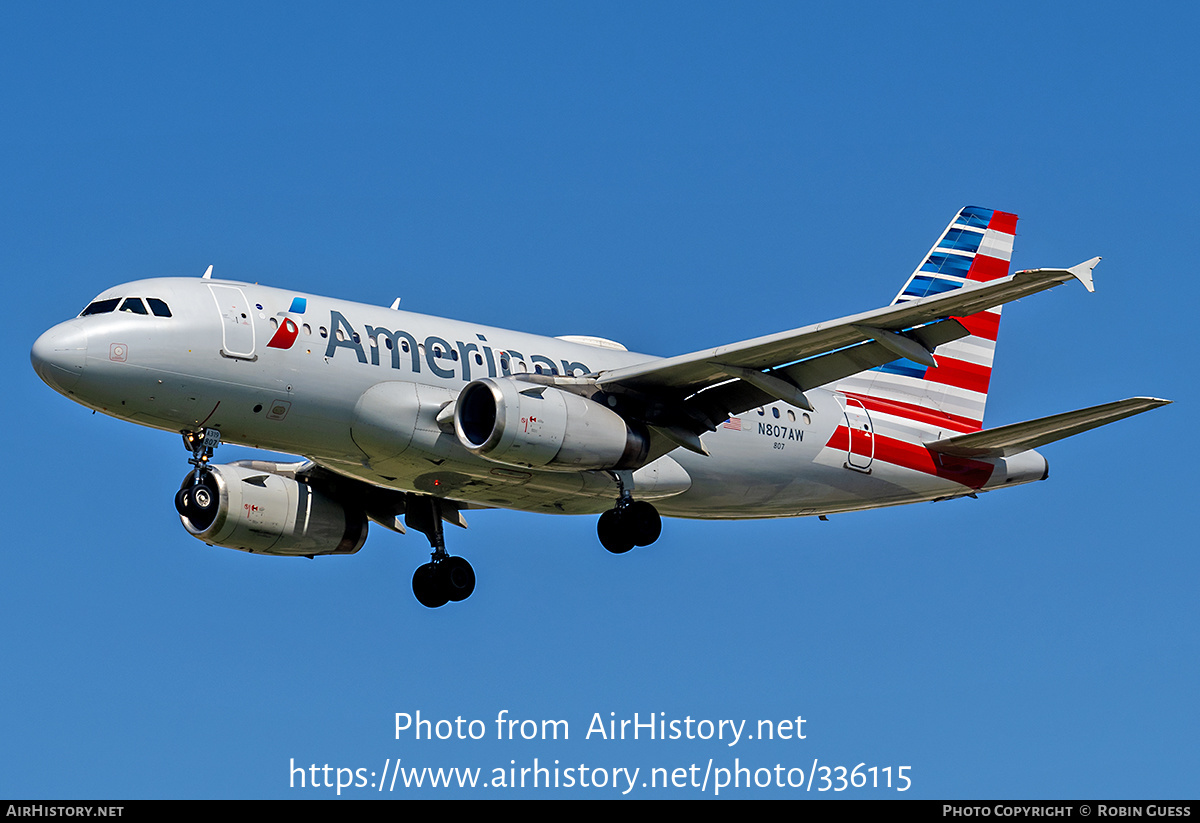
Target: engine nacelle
(259, 511)
(539, 426)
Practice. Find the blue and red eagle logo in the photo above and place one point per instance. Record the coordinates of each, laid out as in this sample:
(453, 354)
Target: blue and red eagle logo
(285, 336)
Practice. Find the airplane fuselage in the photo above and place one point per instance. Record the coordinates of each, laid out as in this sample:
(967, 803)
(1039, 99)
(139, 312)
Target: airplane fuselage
(358, 389)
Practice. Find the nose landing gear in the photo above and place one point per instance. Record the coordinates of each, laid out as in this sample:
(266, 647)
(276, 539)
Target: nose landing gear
(198, 502)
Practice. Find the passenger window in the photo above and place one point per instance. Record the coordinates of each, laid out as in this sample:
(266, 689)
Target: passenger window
(100, 307)
(134, 305)
(158, 307)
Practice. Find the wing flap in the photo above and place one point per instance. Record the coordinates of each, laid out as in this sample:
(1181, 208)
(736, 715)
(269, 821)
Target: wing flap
(831, 367)
(1005, 441)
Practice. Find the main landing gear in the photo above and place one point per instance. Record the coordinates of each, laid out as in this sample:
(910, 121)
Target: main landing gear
(630, 523)
(198, 501)
(444, 579)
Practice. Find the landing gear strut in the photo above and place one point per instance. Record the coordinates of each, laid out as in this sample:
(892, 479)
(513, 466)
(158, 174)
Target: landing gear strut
(630, 523)
(444, 579)
(198, 502)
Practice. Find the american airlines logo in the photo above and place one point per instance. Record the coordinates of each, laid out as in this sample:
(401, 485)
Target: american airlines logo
(442, 358)
(285, 336)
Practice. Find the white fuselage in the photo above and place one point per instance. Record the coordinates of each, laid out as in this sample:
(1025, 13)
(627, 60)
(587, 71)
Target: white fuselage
(226, 357)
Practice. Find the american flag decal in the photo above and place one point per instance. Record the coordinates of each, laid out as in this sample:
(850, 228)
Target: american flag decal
(734, 423)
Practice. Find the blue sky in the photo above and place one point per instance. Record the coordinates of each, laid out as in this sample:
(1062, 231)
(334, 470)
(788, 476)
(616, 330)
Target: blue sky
(675, 178)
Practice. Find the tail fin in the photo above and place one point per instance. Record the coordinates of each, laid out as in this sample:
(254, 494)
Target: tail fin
(976, 246)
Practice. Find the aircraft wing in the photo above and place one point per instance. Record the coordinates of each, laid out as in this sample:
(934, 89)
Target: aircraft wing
(782, 366)
(1005, 441)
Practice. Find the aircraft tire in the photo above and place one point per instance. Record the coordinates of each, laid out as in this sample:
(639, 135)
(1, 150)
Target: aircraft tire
(642, 522)
(202, 504)
(459, 578)
(183, 502)
(613, 531)
(429, 586)
(203, 498)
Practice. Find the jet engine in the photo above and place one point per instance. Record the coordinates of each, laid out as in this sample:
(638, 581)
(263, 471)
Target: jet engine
(528, 424)
(241, 506)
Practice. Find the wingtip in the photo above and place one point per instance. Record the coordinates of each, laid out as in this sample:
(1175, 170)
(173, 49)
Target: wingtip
(1083, 273)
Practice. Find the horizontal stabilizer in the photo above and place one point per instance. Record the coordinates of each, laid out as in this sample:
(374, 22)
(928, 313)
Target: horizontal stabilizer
(1006, 441)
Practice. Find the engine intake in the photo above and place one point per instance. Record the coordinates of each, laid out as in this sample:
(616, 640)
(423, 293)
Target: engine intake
(267, 513)
(539, 426)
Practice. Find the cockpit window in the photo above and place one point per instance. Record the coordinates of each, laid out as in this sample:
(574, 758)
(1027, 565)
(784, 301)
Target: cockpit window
(100, 307)
(158, 307)
(133, 305)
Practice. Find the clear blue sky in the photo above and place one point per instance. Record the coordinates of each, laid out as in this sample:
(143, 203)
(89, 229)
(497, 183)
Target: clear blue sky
(673, 177)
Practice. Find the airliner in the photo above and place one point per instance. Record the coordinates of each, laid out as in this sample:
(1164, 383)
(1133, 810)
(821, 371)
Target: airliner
(408, 421)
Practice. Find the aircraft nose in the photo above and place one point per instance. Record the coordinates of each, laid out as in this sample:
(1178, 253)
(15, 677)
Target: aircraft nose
(58, 356)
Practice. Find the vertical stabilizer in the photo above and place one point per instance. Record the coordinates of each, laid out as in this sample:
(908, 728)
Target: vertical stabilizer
(976, 246)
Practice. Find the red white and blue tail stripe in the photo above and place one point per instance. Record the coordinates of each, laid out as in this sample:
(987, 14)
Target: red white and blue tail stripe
(976, 246)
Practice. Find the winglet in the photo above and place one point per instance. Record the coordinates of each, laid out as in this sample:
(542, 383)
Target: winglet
(208, 273)
(1083, 273)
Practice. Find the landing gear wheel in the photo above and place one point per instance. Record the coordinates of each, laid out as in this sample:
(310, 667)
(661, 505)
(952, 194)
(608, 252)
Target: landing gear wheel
(429, 585)
(444, 579)
(202, 499)
(642, 522)
(613, 532)
(459, 578)
(202, 504)
(199, 504)
(183, 503)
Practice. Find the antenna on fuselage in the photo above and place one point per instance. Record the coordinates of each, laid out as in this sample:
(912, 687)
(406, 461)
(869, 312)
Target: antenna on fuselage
(396, 304)
(207, 273)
